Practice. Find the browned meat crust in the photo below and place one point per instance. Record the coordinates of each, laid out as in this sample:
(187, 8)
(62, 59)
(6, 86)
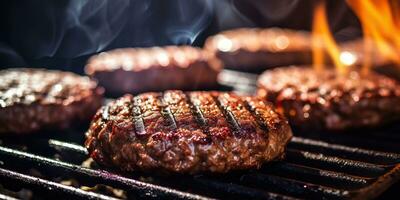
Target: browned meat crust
(135, 70)
(36, 99)
(254, 49)
(187, 132)
(326, 100)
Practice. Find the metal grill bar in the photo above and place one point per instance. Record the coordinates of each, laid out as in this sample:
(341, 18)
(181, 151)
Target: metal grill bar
(5, 197)
(297, 177)
(148, 190)
(288, 170)
(341, 150)
(334, 163)
(67, 146)
(236, 191)
(293, 187)
(49, 186)
(362, 138)
(324, 177)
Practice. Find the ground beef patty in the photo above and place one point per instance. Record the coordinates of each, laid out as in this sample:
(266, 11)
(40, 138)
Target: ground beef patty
(37, 99)
(326, 100)
(135, 70)
(187, 132)
(254, 49)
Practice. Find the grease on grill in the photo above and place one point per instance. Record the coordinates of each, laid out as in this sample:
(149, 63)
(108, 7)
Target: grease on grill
(106, 190)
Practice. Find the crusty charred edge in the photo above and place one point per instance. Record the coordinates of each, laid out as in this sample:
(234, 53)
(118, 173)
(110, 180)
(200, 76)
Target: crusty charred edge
(253, 111)
(197, 113)
(165, 111)
(138, 121)
(93, 143)
(228, 115)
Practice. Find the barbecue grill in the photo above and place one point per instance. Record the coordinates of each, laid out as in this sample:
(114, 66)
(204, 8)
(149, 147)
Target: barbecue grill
(355, 165)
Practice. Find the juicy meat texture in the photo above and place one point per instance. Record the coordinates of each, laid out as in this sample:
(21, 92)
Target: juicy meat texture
(36, 99)
(314, 100)
(255, 49)
(135, 70)
(187, 132)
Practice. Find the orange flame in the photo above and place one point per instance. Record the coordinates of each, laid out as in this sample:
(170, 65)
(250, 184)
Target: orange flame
(380, 20)
(322, 40)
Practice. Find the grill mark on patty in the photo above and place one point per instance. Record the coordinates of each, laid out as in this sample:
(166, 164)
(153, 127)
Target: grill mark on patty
(256, 115)
(180, 151)
(228, 115)
(196, 110)
(138, 121)
(201, 121)
(186, 121)
(217, 125)
(165, 111)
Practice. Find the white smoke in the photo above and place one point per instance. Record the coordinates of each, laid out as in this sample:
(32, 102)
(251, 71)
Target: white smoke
(187, 19)
(76, 28)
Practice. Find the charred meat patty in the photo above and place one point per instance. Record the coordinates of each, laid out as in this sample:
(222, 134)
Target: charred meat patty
(135, 70)
(187, 132)
(255, 49)
(37, 99)
(314, 100)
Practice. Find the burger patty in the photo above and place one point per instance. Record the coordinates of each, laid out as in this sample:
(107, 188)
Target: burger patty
(135, 70)
(254, 49)
(314, 100)
(187, 132)
(36, 99)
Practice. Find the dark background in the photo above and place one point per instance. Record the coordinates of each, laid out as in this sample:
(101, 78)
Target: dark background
(62, 34)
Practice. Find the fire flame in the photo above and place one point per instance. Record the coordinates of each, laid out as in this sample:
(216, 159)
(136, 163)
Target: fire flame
(381, 27)
(380, 20)
(322, 40)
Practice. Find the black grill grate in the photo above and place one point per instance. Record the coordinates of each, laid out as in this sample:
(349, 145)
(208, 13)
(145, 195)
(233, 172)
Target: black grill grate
(319, 166)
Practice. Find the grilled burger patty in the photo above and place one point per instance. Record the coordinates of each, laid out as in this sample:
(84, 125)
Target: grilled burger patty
(254, 49)
(135, 70)
(36, 99)
(187, 132)
(325, 100)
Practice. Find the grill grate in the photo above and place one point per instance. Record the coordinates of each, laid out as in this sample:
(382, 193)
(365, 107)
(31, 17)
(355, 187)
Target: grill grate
(317, 166)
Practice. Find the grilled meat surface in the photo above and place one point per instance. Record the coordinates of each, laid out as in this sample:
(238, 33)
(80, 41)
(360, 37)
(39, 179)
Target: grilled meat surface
(187, 132)
(314, 100)
(135, 70)
(255, 49)
(36, 99)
